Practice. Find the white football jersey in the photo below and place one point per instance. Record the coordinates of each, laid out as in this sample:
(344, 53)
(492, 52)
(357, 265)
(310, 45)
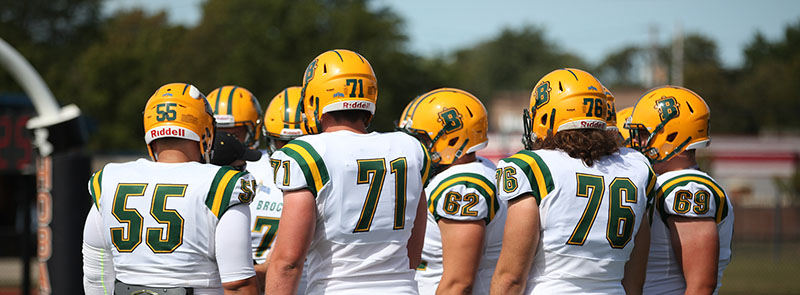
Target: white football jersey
(462, 192)
(589, 216)
(265, 210)
(153, 209)
(688, 193)
(367, 188)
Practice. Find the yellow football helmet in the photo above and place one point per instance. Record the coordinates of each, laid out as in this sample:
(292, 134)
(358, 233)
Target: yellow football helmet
(611, 117)
(179, 110)
(337, 80)
(235, 106)
(283, 119)
(452, 122)
(564, 99)
(623, 117)
(676, 120)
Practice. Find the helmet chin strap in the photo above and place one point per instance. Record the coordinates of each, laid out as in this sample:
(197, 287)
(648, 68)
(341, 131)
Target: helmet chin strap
(205, 157)
(674, 152)
(527, 129)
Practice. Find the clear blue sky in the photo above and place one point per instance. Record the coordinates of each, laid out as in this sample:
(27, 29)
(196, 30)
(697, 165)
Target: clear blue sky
(588, 28)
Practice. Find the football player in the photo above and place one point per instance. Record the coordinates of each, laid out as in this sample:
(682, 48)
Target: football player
(465, 221)
(693, 221)
(283, 122)
(172, 224)
(238, 112)
(577, 204)
(353, 201)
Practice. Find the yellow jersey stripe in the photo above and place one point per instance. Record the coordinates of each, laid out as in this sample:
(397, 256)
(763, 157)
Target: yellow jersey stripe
(96, 187)
(218, 195)
(537, 172)
(312, 164)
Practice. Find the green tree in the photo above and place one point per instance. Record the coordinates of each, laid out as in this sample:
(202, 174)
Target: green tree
(705, 75)
(768, 81)
(263, 46)
(49, 33)
(112, 80)
(618, 68)
(514, 60)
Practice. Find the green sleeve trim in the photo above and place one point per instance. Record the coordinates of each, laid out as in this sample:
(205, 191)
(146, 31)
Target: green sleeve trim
(471, 180)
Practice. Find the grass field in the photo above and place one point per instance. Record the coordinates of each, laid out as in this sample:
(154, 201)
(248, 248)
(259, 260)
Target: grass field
(756, 269)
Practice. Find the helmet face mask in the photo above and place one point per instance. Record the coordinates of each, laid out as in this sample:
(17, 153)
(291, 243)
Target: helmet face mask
(564, 99)
(235, 106)
(450, 122)
(623, 118)
(284, 118)
(179, 110)
(667, 121)
(337, 80)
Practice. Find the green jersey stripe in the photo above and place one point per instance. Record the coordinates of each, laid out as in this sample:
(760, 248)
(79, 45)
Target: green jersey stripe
(526, 169)
(426, 165)
(95, 187)
(226, 197)
(323, 171)
(548, 178)
(471, 180)
(212, 191)
(303, 167)
(684, 179)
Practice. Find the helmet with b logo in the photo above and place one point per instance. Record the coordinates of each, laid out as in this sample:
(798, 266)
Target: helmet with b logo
(337, 80)
(564, 99)
(667, 121)
(235, 106)
(179, 110)
(451, 122)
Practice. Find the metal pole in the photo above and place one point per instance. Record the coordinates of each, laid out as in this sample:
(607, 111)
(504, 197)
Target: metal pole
(47, 109)
(72, 168)
(31, 82)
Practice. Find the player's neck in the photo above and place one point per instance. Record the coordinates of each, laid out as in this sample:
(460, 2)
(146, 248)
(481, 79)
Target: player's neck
(678, 162)
(176, 150)
(331, 125)
(176, 156)
(468, 158)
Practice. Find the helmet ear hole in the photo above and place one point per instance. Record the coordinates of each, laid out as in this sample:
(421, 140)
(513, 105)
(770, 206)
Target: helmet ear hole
(672, 136)
(544, 119)
(452, 142)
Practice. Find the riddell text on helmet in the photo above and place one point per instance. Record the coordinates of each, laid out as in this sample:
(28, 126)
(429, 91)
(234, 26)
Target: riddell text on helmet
(359, 105)
(168, 132)
(592, 124)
